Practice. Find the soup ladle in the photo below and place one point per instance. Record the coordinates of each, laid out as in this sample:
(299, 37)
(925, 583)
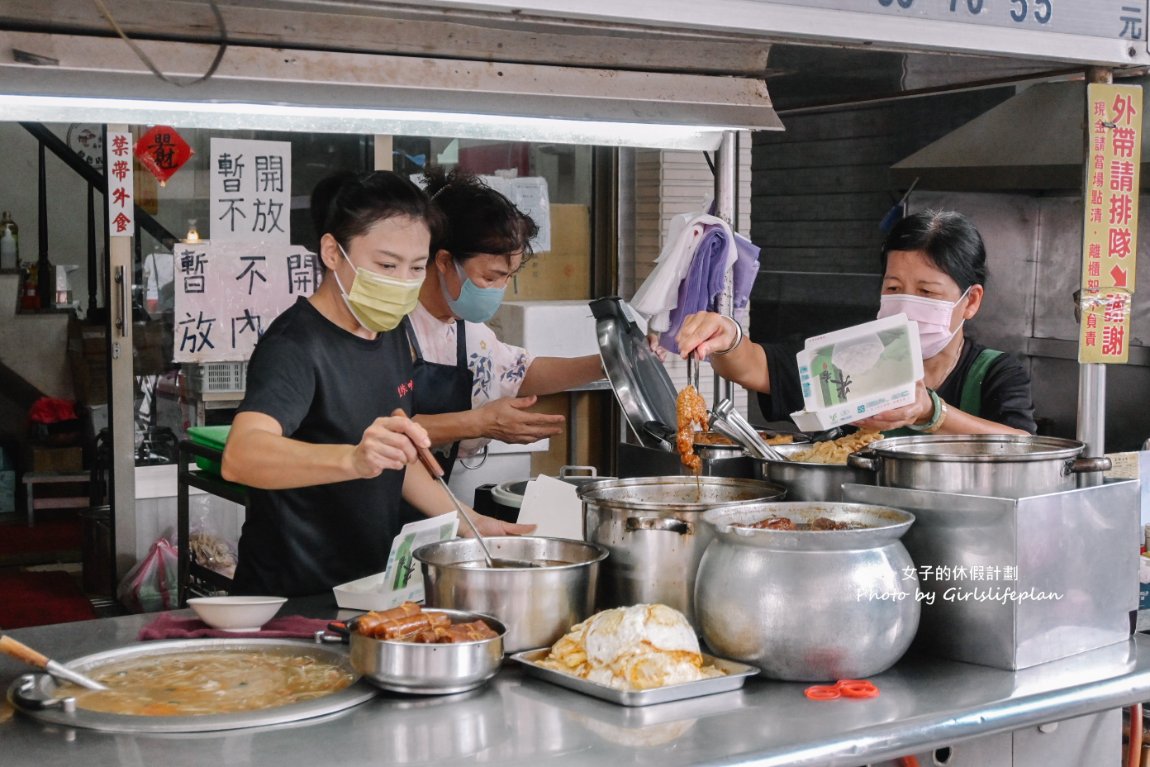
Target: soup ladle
(436, 471)
(23, 652)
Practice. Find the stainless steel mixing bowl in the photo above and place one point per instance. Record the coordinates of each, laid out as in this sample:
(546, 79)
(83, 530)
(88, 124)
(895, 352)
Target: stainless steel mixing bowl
(537, 604)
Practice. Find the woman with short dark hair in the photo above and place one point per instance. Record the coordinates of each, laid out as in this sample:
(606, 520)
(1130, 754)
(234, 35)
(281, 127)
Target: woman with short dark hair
(934, 271)
(323, 438)
(473, 387)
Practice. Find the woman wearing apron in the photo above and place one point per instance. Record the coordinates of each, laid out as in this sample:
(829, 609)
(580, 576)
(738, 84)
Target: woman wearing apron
(323, 438)
(486, 239)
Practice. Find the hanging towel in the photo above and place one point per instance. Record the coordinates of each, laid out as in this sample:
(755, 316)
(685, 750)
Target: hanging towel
(703, 284)
(745, 272)
(659, 293)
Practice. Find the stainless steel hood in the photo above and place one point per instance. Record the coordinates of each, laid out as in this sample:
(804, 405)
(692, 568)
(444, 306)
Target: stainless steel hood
(1032, 142)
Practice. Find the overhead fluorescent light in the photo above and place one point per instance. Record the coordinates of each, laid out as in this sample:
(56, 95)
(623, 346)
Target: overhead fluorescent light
(328, 119)
(101, 80)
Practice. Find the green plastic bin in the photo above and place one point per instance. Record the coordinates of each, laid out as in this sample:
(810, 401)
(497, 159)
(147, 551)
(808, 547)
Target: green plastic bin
(209, 436)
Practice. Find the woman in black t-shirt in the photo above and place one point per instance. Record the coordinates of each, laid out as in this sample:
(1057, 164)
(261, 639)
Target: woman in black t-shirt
(323, 437)
(934, 269)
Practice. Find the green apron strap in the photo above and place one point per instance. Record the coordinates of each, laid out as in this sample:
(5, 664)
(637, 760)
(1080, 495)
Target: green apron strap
(971, 401)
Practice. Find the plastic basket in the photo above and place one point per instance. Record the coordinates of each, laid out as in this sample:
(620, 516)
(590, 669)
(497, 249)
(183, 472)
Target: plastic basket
(214, 437)
(216, 377)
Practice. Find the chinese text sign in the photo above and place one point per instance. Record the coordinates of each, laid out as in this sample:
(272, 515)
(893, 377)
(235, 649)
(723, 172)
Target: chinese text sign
(1110, 224)
(227, 293)
(250, 191)
(121, 186)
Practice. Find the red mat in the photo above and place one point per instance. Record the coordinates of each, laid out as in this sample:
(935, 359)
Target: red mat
(46, 542)
(40, 598)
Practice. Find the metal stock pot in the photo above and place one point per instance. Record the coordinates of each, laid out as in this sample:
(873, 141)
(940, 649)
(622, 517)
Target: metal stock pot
(806, 481)
(808, 604)
(995, 465)
(653, 528)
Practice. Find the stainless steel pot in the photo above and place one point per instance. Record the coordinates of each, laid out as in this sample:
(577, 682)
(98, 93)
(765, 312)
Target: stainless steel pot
(808, 605)
(536, 604)
(811, 481)
(995, 465)
(430, 669)
(510, 493)
(652, 527)
(639, 461)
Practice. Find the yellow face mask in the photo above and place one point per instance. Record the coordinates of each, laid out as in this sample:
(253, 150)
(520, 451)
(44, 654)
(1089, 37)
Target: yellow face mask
(378, 303)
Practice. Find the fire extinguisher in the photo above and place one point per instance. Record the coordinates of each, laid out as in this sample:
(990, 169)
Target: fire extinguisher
(30, 293)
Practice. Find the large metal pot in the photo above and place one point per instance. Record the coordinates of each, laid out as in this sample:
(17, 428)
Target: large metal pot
(537, 604)
(811, 481)
(652, 527)
(996, 465)
(808, 605)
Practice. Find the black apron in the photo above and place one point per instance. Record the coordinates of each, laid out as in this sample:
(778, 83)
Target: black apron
(439, 389)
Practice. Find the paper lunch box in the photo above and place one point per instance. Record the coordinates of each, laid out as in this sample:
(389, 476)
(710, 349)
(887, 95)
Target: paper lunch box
(854, 373)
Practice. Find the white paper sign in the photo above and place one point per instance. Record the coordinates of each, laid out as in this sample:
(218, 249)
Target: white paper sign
(226, 295)
(121, 185)
(529, 194)
(553, 506)
(250, 190)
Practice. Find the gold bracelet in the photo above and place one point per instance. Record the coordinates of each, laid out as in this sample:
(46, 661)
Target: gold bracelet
(738, 336)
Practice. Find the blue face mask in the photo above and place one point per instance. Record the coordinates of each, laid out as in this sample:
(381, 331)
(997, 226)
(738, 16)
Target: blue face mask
(475, 304)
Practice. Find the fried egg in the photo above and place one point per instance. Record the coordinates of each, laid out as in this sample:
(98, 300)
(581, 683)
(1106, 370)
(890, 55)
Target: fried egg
(631, 648)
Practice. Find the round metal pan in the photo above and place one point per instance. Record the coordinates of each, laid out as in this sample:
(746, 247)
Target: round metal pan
(429, 669)
(37, 694)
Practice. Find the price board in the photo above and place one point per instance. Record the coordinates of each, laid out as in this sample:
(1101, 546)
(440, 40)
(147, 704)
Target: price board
(1097, 32)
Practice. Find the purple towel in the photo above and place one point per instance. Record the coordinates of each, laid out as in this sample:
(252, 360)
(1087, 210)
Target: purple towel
(745, 271)
(700, 289)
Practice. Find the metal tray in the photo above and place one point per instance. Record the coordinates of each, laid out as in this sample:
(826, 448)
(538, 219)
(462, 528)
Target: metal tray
(35, 694)
(734, 677)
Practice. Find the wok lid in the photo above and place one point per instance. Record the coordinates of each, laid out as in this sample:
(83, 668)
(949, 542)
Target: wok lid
(640, 382)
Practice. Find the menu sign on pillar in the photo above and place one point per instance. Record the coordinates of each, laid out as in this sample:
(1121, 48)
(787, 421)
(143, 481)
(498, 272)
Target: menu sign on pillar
(1110, 227)
(121, 183)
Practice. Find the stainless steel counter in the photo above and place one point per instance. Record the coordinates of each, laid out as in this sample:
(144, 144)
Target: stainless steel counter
(925, 703)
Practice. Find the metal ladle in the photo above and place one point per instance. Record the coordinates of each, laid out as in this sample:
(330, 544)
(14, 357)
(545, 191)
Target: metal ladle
(726, 420)
(23, 652)
(436, 471)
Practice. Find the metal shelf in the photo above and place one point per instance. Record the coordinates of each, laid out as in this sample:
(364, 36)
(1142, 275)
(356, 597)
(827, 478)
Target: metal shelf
(194, 577)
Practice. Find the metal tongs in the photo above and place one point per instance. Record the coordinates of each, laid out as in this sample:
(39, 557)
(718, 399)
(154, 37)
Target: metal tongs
(693, 371)
(727, 421)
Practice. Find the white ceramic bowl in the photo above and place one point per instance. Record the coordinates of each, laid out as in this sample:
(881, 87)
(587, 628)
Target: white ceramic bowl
(236, 613)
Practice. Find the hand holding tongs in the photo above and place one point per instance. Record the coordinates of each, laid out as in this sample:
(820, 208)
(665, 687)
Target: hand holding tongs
(726, 420)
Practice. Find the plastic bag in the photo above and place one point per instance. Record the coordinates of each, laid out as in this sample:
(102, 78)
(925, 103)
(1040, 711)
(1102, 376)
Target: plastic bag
(153, 584)
(208, 547)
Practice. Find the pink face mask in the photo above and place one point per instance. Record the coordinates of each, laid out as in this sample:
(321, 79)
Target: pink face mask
(933, 318)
